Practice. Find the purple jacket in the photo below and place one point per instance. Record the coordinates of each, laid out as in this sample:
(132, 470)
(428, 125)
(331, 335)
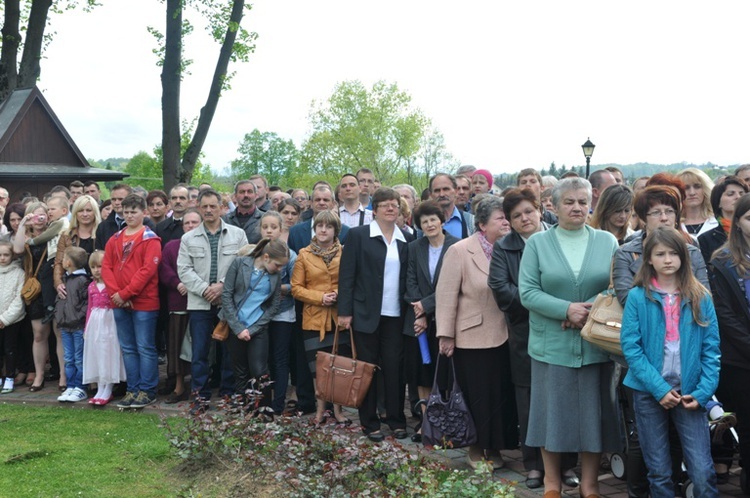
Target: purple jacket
(168, 276)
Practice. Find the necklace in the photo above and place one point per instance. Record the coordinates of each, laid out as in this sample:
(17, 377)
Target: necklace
(694, 229)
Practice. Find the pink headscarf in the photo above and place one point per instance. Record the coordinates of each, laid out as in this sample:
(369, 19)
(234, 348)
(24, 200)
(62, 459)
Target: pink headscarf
(485, 174)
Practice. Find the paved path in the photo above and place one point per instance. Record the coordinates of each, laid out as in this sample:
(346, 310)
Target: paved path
(610, 486)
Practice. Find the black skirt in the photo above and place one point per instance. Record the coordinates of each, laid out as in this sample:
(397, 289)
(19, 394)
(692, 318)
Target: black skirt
(485, 378)
(417, 372)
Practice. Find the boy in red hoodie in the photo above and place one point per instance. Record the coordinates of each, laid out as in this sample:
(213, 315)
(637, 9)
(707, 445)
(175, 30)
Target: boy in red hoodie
(130, 272)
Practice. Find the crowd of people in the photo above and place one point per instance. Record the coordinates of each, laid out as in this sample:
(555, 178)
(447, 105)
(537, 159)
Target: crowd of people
(499, 281)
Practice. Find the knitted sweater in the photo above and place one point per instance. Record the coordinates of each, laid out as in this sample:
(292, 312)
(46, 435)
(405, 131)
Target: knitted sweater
(547, 286)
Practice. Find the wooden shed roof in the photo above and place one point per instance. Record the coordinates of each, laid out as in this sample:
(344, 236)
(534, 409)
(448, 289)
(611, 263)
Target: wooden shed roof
(35, 145)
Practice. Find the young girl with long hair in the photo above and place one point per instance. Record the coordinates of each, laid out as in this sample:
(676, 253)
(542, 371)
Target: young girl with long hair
(251, 297)
(731, 287)
(670, 340)
(102, 359)
(281, 327)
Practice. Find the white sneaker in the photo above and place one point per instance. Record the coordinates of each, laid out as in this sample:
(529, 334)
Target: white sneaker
(78, 394)
(65, 395)
(7, 386)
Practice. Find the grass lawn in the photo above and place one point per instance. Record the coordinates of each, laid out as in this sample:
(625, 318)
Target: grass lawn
(64, 451)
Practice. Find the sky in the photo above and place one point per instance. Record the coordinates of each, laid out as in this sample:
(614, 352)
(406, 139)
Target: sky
(511, 85)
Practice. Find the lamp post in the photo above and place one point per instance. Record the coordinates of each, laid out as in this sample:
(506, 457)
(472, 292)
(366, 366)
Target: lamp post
(588, 151)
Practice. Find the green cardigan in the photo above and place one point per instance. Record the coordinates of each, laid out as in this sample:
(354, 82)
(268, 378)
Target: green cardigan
(547, 286)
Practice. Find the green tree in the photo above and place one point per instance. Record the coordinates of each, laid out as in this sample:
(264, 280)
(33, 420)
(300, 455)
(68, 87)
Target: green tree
(553, 169)
(236, 44)
(433, 157)
(144, 170)
(267, 154)
(24, 32)
(376, 128)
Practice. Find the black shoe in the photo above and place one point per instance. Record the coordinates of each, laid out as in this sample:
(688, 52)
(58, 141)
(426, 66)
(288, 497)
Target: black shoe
(417, 436)
(399, 433)
(535, 482)
(176, 398)
(376, 437)
(569, 478)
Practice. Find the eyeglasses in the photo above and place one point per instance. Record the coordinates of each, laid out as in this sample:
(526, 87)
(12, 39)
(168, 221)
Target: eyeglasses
(388, 206)
(659, 214)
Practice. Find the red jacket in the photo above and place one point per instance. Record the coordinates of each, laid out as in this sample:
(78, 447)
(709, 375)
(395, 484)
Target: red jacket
(135, 275)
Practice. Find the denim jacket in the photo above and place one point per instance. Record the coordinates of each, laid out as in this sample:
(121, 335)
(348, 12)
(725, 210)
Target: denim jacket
(642, 338)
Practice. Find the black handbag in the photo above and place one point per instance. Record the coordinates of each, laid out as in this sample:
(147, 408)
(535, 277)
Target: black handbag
(447, 422)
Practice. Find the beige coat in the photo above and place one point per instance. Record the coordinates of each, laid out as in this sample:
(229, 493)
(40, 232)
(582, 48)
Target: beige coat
(465, 307)
(310, 280)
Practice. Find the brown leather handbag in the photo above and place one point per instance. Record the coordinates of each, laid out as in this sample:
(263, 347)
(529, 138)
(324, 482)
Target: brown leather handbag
(31, 286)
(221, 331)
(341, 380)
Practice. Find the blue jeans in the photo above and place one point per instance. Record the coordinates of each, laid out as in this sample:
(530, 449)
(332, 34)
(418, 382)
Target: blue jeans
(73, 353)
(202, 325)
(653, 433)
(135, 330)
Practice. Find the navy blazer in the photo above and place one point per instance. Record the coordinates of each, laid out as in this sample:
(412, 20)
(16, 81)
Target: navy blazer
(300, 235)
(419, 286)
(361, 278)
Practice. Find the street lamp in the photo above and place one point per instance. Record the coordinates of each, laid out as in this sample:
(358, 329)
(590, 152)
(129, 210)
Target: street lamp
(588, 151)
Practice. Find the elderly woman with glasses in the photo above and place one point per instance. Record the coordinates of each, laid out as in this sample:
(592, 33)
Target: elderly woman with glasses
(655, 206)
(372, 281)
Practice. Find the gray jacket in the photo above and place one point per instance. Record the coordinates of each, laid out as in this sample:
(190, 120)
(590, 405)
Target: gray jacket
(627, 262)
(194, 260)
(235, 288)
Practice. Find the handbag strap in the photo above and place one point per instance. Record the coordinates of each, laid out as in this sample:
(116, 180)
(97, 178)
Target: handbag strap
(39, 265)
(247, 295)
(435, 389)
(336, 342)
(611, 288)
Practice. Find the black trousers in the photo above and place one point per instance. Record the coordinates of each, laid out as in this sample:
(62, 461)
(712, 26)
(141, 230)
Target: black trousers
(734, 394)
(383, 347)
(249, 360)
(9, 347)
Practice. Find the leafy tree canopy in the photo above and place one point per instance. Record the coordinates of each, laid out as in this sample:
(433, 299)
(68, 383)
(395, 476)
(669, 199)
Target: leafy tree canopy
(267, 154)
(375, 128)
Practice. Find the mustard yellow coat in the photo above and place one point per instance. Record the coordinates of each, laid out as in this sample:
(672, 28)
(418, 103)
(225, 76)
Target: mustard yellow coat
(310, 280)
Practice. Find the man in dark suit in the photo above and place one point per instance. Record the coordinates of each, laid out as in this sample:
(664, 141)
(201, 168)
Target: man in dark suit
(301, 233)
(246, 215)
(171, 228)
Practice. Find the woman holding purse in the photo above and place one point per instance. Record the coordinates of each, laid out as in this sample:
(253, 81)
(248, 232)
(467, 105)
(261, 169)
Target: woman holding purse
(315, 282)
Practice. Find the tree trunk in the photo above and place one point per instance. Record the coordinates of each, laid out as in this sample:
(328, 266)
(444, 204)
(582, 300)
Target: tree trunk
(171, 77)
(209, 109)
(9, 55)
(30, 69)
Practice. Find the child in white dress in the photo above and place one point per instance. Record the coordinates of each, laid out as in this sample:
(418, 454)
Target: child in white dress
(102, 359)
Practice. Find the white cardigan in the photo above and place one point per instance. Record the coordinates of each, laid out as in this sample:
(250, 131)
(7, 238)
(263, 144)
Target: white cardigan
(11, 281)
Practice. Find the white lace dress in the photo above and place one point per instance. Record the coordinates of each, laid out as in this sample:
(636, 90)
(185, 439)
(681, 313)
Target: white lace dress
(102, 359)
